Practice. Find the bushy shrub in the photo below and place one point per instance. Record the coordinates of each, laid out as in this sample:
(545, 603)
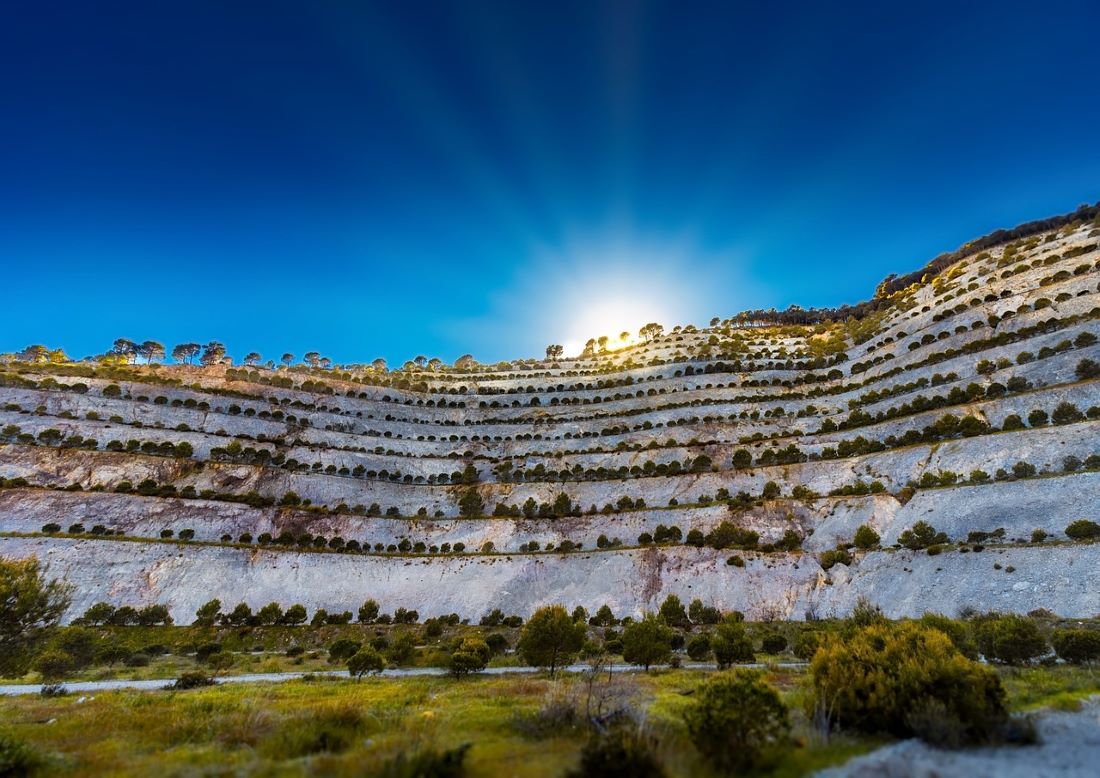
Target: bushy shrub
(551, 638)
(834, 556)
(624, 752)
(736, 716)
(137, 659)
(1009, 639)
(1077, 646)
(866, 538)
(698, 648)
(878, 678)
(647, 642)
(921, 536)
(207, 650)
(1083, 529)
(344, 648)
(192, 680)
(366, 660)
(957, 631)
(1023, 470)
(1066, 413)
(731, 644)
(53, 665)
(471, 655)
(806, 644)
(1088, 368)
(18, 758)
(773, 643)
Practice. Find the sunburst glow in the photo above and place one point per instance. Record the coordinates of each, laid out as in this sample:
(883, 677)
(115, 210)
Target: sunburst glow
(605, 286)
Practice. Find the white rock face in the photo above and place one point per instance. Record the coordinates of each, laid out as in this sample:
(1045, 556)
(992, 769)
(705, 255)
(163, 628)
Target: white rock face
(1062, 578)
(471, 585)
(995, 337)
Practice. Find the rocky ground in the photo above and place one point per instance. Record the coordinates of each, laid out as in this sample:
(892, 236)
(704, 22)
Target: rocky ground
(1069, 748)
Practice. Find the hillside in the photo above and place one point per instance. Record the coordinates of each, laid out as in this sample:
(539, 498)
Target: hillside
(732, 463)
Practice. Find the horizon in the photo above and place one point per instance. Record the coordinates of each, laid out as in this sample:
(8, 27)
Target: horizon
(375, 181)
(594, 348)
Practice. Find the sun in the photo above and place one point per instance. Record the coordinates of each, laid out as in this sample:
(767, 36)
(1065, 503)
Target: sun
(618, 319)
(602, 286)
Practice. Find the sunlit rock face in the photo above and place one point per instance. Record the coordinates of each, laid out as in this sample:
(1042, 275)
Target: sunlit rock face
(723, 463)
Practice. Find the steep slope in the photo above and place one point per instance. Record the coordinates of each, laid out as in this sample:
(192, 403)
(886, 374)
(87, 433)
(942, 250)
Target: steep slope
(748, 450)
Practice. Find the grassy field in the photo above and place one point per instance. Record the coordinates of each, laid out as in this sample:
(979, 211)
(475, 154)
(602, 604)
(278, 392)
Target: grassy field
(514, 725)
(345, 727)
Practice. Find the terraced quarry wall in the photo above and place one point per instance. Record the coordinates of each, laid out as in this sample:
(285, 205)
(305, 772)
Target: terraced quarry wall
(967, 403)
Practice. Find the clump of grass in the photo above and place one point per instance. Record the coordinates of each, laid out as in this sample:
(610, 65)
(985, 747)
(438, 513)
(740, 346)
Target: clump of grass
(326, 729)
(18, 758)
(426, 762)
(1041, 687)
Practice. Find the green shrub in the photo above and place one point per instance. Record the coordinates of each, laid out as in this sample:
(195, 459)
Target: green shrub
(735, 717)
(18, 758)
(1023, 470)
(647, 642)
(141, 659)
(921, 536)
(832, 557)
(731, 644)
(191, 680)
(806, 644)
(470, 656)
(207, 650)
(1088, 368)
(698, 648)
(624, 752)
(866, 538)
(344, 648)
(957, 631)
(1009, 639)
(550, 638)
(1083, 529)
(1077, 646)
(53, 665)
(773, 643)
(366, 660)
(1066, 413)
(877, 679)
(496, 642)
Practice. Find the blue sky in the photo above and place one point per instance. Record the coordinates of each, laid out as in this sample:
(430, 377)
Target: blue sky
(391, 179)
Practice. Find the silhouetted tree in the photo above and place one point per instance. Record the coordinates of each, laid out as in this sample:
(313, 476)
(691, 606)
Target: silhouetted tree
(186, 352)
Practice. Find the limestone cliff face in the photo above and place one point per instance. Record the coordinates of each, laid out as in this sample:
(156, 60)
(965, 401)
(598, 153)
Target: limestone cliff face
(645, 441)
(1064, 579)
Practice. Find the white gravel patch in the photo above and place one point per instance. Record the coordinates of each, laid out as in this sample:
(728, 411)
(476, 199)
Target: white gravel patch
(1070, 747)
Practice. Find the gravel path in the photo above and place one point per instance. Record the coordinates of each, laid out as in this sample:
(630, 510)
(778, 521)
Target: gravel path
(1070, 747)
(17, 689)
